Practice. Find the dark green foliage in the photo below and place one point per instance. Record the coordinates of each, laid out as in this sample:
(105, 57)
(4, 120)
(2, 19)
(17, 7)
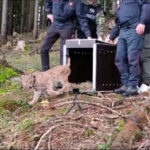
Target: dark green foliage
(6, 73)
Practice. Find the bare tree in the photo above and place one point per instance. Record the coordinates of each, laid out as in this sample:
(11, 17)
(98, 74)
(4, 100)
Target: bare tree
(22, 16)
(114, 6)
(35, 30)
(4, 20)
(31, 6)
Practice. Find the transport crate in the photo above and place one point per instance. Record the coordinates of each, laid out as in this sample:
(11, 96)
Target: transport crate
(93, 61)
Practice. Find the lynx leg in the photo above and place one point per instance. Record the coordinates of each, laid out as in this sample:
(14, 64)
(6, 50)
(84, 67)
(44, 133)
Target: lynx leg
(36, 97)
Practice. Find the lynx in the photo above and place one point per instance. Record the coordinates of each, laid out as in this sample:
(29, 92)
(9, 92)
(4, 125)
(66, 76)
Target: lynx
(53, 81)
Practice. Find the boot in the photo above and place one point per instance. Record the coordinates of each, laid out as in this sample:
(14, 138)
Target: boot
(120, 90)
(131, 91)
(45, 61)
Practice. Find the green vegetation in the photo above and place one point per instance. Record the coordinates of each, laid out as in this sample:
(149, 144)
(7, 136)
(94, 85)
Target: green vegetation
(120, 125)
(31, 63)
(89, 132)
(26, 124)
(140, 134)
(27, 48)
(6, 73)
(104, 146)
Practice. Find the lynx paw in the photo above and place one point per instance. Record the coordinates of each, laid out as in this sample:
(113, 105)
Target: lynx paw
(31, 103)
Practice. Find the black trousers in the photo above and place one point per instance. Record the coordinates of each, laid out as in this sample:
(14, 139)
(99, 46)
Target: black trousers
(145, 60)
(51, 37)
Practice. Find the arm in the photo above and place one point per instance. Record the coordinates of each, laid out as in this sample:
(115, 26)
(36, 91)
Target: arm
(48, 6)
(82, 19)
(141, 3)
(48, 9)
(140, 29)
(146, 13)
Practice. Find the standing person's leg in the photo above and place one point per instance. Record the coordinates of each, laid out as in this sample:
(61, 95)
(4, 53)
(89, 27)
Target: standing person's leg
(135, 43)
(50, 38)
(64, 35)
(80, 34)
(145, 65)
(122, 63)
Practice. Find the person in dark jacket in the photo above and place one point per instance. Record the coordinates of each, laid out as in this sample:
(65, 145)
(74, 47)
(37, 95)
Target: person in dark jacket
(130, 27)
(145, 54)
(95, 17)
(62, 14)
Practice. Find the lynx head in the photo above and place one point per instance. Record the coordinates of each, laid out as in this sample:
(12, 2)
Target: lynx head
(28, 81)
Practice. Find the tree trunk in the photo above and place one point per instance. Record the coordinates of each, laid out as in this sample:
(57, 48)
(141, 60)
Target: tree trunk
(10, 16)
(42, 18)
(105, 5)
(22, 16)
(35, 31)
(0, 13)
(31, 15)
(114, 6)
(4, 20)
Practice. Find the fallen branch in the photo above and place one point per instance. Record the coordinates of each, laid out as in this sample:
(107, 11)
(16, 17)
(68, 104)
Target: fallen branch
(49, 141)
(51, 129)
(143, 144)
(94, 104)
(101, 98)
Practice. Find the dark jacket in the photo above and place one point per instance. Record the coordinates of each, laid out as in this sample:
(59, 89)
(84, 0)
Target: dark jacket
(64, 13)
(90, 12)
(147, 17)
(130, 14)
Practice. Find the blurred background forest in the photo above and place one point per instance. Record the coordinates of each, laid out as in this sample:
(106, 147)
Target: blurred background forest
(28, 15)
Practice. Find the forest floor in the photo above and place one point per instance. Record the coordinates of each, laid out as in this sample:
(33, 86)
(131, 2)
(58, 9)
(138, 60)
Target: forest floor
(47, 126)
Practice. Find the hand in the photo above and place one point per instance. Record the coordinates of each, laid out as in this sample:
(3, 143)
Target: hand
(49, 16)
(100, 39)
(73, 36)
(89, 38)
(140, 29)
(116, 41)
(109, 41)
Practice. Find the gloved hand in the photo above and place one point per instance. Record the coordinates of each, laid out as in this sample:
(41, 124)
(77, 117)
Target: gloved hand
(100, 38)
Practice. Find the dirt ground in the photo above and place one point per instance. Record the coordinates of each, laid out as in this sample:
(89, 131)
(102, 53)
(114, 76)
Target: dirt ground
(47, 126)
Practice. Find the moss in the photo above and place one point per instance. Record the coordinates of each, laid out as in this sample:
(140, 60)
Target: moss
(61, 111)
(88, 132)
(27, 48)
(6, 73)
(26, 124)
(10, 87)
(121, 123)
(139, 135)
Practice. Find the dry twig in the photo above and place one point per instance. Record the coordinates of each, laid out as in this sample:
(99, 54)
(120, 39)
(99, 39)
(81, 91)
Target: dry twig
(94, 104)
(143, 144)
(52, 128)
